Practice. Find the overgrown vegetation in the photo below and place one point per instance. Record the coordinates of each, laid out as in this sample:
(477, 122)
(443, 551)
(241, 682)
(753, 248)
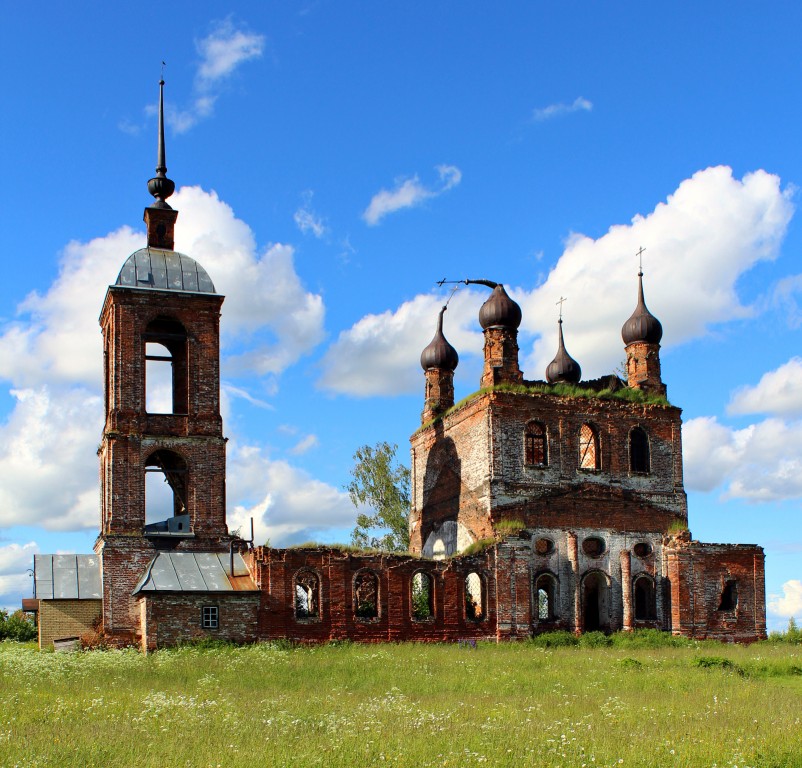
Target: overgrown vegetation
(627, 700)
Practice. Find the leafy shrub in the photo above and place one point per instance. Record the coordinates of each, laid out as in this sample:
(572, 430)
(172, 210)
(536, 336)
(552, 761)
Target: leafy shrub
(718, 662)
(792, 635)
(595, 640)
(557, 639)
(649, 638)
(18, 626)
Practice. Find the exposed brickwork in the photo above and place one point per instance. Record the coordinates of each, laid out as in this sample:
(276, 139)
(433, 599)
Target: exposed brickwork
(643, 367)
(501, 357)
(439, 393)
(60, 619)
(168, 619)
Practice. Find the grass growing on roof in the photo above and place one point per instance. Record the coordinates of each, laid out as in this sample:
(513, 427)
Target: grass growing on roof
(411, 705)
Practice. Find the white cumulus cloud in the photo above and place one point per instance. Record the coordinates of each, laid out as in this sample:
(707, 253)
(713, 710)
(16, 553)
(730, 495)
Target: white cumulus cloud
(15, 579)
(556, 110)
(377, 355)
(762, 462)
(287, 504)
(409, 193)
(790, 602)
(699, 242)
(778, 392)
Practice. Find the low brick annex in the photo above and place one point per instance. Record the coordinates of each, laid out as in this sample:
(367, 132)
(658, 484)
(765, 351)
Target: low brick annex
(536, 505)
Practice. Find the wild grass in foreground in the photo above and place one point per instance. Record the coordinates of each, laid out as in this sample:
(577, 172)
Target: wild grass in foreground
(629, 701)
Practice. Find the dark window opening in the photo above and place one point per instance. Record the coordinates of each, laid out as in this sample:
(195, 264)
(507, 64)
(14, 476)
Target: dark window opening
(546, 591)
(307, 595)
(642, 549)
(645, 607)
(639, 451)
(535, 446)
(593, 546)
(589, 453)
(210, 617)
(166, 494)
(474, 597)
(422, 596)
(166, 367)
(366, 595)
(729, 596)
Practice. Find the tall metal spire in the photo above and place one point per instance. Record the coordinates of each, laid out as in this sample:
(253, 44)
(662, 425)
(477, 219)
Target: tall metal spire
(160, 186)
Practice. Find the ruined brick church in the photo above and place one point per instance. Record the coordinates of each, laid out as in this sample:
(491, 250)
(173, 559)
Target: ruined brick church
(536, 505)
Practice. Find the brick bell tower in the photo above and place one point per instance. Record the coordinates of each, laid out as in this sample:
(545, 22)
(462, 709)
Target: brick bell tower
(162, 454)
(499, 317)
(439, 360)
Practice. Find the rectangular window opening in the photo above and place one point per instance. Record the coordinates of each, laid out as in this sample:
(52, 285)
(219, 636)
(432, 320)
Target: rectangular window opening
(210, 618)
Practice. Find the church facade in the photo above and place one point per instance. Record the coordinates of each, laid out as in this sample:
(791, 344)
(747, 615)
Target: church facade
(536, 505)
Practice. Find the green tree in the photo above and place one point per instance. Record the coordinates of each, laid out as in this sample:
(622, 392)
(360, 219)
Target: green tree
(17, 626)
(380, 483)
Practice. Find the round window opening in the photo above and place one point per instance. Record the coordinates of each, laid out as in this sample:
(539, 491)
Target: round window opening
(593, 547)
(544, 546)
(642, 549)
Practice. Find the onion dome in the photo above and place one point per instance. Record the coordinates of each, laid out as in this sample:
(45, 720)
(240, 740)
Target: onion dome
(642, 325)
(439, 353)
(499, 311)
(563, 368)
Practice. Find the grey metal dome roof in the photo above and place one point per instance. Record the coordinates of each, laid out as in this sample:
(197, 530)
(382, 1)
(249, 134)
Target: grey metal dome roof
(164, 271)
(439, 353)
(563, 367)
(642, 325)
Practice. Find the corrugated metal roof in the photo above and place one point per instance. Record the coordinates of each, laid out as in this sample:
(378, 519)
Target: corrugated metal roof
(194, 572)
(67, 577)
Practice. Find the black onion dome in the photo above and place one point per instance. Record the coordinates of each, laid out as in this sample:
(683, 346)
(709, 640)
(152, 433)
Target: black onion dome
(642, 325)
(499, 311)
(439, 353)
(563, 368)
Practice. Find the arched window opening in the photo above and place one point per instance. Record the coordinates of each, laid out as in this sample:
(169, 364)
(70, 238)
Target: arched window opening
(307, 595)
(729, 596)
(166, 494)
(546, 591)
(535, 445)
(645, 608)
(639, 460)
(366, 595)
(422, 596)
(166, 367)
(474, 597)
(589, 453)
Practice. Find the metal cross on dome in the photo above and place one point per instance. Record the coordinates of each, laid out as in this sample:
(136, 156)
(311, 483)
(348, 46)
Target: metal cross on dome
(561, 302)
(639, 254)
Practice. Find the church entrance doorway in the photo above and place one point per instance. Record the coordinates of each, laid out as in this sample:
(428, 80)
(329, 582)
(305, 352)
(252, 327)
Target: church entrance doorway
(596, 602)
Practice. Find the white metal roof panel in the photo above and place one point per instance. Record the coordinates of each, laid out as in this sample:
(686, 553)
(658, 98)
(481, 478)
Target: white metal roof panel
(190, 572)
(67, 577)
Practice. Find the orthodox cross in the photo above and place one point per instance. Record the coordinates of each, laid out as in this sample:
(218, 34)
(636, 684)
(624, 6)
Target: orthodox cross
(560, 302)
(639, 254)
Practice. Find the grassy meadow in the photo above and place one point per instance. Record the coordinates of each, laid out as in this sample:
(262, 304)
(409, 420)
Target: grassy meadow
(517, 704)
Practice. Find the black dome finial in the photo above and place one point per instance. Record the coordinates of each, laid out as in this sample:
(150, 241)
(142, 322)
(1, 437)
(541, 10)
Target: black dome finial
(439, 353)
(160, 186)
(642, 325)
(563, 368)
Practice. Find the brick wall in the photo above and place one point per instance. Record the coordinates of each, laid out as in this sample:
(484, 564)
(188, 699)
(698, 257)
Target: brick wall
(698, 574)
(60, 619)
(168, 619)
(275, 571)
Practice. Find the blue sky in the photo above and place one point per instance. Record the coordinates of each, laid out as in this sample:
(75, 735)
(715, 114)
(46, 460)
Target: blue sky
(333, 161)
